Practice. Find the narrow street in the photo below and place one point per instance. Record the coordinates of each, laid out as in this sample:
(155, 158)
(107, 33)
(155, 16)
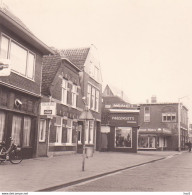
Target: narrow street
(172, 174)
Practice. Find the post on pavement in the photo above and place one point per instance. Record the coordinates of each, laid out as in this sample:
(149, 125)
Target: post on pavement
(86, 115)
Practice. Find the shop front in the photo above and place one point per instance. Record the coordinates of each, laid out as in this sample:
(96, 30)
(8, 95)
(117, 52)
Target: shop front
(18, 119)
(120, 134)
(153, 139)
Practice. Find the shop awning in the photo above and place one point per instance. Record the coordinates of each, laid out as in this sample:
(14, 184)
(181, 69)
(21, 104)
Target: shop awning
(162, 131)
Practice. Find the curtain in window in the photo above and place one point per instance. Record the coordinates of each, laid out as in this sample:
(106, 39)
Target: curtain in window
(16, 130)
(69, 131)
(2, 125)
(26, 131)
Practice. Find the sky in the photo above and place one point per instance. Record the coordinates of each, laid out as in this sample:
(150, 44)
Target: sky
(144, 46)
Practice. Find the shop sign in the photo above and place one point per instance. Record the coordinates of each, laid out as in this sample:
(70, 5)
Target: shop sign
(124, 119)
(48, 108)
(121, 105)
(159, 130)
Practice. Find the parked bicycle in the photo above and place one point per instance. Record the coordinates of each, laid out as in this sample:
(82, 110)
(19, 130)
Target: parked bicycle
(12, 154)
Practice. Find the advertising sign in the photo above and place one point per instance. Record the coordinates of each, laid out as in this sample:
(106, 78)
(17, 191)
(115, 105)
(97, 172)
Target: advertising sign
(48, 108)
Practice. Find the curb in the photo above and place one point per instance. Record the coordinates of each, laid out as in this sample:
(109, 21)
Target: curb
(53, 188)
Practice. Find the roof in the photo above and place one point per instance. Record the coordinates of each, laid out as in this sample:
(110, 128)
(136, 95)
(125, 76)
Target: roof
(50, 67)
(115, 92)
(77, 56)
(12, 22)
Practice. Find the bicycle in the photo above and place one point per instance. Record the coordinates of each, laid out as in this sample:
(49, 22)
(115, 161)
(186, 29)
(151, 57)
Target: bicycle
(12, 154)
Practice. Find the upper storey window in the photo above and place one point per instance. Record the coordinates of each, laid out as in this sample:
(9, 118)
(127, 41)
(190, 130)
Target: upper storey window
(22, 60)
(146, 114)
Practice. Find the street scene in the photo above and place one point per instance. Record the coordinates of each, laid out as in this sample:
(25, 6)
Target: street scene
(95, 96)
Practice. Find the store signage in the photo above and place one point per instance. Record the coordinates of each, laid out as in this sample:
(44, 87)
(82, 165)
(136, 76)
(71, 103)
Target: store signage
(124, 119)
(48, 108)
(121, 105)
(159, 130)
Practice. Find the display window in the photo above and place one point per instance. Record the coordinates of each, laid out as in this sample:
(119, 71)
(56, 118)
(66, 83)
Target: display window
(123, 137)
(146, 141)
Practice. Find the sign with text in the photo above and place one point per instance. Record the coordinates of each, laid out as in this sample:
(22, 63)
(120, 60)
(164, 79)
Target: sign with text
(126, 119)
(48, 108)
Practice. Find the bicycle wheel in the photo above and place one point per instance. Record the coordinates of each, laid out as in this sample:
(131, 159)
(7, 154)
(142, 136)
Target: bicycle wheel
(15, 156)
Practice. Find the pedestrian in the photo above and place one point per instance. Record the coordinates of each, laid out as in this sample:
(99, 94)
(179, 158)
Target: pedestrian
(189, 146)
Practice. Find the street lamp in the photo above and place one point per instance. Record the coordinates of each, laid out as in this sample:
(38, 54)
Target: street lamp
(86, 115)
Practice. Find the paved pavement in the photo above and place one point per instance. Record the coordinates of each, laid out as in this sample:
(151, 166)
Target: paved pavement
(43, 173)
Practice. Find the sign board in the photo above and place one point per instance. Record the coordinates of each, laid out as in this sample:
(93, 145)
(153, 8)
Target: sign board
(48, 108)
(125, 119)
(5, 69)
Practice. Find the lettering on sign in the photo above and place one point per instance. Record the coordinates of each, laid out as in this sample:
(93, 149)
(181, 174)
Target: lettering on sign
(127, 118)
(121, 105)
(48, 108)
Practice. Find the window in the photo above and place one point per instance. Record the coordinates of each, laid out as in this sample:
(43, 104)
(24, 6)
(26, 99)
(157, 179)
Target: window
(97, 101)
(93, 99)
(89, 132)
(69, 131)
(146, 114)
(42, 130)
(58, 130)
(22, 60)
(145, 141)
(2, 125)
(168, 117)
(64, 92)
(16, 130)
(79, 134)
(123, 137)
(4, 47)
(74, 95)
(26, 131)
(89, 96)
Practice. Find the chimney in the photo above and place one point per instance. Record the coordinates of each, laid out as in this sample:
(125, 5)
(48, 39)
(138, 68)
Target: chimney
(153, 99)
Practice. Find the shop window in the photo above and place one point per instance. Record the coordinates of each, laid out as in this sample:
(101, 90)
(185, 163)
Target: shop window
(147, 141)
(123, 137)
(58, 130)
(2, 125)
(69, 131)
(16, 130)
(42, 130)
(89, 132)
(168, 117)
(146, 114)
(26, 131)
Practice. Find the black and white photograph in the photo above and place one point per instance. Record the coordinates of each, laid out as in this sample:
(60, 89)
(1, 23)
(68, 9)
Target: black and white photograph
(95, 96)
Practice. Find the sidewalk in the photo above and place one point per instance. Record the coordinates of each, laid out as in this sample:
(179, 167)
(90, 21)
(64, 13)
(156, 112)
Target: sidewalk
(41, 173)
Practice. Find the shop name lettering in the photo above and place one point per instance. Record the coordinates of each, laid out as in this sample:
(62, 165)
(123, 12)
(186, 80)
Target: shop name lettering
(123, 118)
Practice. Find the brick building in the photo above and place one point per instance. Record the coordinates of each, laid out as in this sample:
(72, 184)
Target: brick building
(90, 81)
(60, 89)
(20, 91)
(159, 126)
(119, 123)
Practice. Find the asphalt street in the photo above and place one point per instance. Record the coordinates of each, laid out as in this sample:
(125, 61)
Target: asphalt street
(173, 174)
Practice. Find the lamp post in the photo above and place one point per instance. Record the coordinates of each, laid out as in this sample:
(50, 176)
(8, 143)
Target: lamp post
(86, 115)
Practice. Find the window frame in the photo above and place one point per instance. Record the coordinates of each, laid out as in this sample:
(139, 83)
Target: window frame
(169, 114)
(58, 137)
(74, 95)
(10, 41)
(69, 131)
(147, 115)
(64, 91)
